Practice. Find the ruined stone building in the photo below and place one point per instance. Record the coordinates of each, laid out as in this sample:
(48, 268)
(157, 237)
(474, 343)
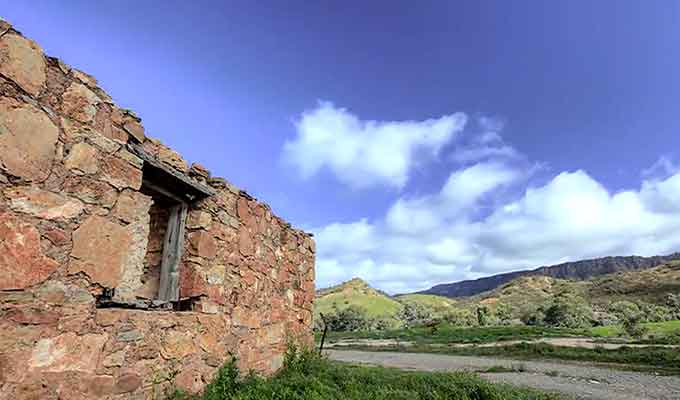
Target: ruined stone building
(124, 271)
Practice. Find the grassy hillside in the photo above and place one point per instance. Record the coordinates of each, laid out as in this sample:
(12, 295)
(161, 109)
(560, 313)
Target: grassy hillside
(437, 305)
(650, 285)
(357, 293)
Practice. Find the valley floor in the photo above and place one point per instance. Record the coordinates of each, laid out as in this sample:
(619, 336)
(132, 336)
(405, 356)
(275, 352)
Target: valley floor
(581, 381)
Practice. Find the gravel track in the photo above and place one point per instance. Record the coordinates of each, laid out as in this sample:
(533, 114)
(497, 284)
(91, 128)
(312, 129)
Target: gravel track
(578, 380)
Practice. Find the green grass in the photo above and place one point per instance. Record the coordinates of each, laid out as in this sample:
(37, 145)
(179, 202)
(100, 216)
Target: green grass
(308, 377)
(451, 334)
(667, 328)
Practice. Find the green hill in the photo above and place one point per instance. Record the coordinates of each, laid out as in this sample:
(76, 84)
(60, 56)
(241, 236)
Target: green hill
(649, 286)
(516, 297)
(375, 303)
(437, 305)
(357, 293)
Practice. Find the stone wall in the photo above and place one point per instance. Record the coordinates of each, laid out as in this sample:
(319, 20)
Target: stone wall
(75, 222)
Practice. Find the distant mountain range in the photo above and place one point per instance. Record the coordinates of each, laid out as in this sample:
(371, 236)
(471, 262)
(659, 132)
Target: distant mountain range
(577, 270)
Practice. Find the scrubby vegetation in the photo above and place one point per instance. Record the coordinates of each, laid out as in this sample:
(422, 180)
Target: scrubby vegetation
(306, 376)
(627, 300)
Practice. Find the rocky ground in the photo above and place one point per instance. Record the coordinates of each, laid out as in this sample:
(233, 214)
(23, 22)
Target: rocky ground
(576, 380)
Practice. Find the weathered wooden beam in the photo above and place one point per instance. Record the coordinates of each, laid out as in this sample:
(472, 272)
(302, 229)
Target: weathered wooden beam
(173, 246)
(199, 188)
(162, 191)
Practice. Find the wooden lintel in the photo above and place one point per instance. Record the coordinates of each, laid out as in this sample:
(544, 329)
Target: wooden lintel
(199, 188)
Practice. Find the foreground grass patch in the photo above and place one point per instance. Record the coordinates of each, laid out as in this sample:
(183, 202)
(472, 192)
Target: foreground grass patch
(306, 376)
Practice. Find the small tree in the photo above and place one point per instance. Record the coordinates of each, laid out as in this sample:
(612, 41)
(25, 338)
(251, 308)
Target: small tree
(533, 317)
(414, 314)
(483, 316)
(624, 310)
(569, 311)
(350, 319)
(461, 317)
(673, 302)
(633, 327)
(503, 313)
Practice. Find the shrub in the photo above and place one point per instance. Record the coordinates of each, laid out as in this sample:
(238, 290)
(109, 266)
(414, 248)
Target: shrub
(503, 313)
(483, 316)
(673, 303)
(655, 313)
(349, 319)
(460, 317)
(415, 314)
(569, 311)
(533, 317)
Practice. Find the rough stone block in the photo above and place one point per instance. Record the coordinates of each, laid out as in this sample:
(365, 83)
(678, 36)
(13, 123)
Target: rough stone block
(80, 103)
(22, 61)
(83, 158)
(43, 204)
(120, 173)
(28, 140)
(22, 263)
(100, 250)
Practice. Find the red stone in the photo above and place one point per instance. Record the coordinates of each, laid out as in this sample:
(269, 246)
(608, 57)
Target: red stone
(191, 282)
(245, 243)
(127, 383)
(28, 140)
(120, 173)
(22, 263)
(57, 236)
(202, 244)
(100, 249)
(32, 316)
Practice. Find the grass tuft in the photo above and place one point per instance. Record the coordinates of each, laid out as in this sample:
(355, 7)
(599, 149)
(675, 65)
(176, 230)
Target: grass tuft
(307, 376)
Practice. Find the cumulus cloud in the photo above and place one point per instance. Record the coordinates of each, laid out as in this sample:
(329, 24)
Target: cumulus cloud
(442, 237)
(487, 217)
(364, 153)
(663, 167)
(486, 144)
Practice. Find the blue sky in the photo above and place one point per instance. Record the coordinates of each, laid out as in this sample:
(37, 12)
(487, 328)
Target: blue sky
(423, 142)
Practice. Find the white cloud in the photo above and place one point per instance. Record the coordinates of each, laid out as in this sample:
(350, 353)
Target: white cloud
(487, 144)
(662, 168)
(442, 237)
(485, 218)
(364, 153)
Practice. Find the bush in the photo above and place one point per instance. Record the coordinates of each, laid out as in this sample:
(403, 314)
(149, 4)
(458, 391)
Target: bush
(655, 313)
(349, 319)
(461, 317)
(569, 311)
(484, 317)
(673, 303)
(504, 313)
(533, 317)
(414, 314)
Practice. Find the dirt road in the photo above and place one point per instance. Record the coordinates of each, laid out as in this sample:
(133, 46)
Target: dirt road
(583, 342)
(578, 380)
